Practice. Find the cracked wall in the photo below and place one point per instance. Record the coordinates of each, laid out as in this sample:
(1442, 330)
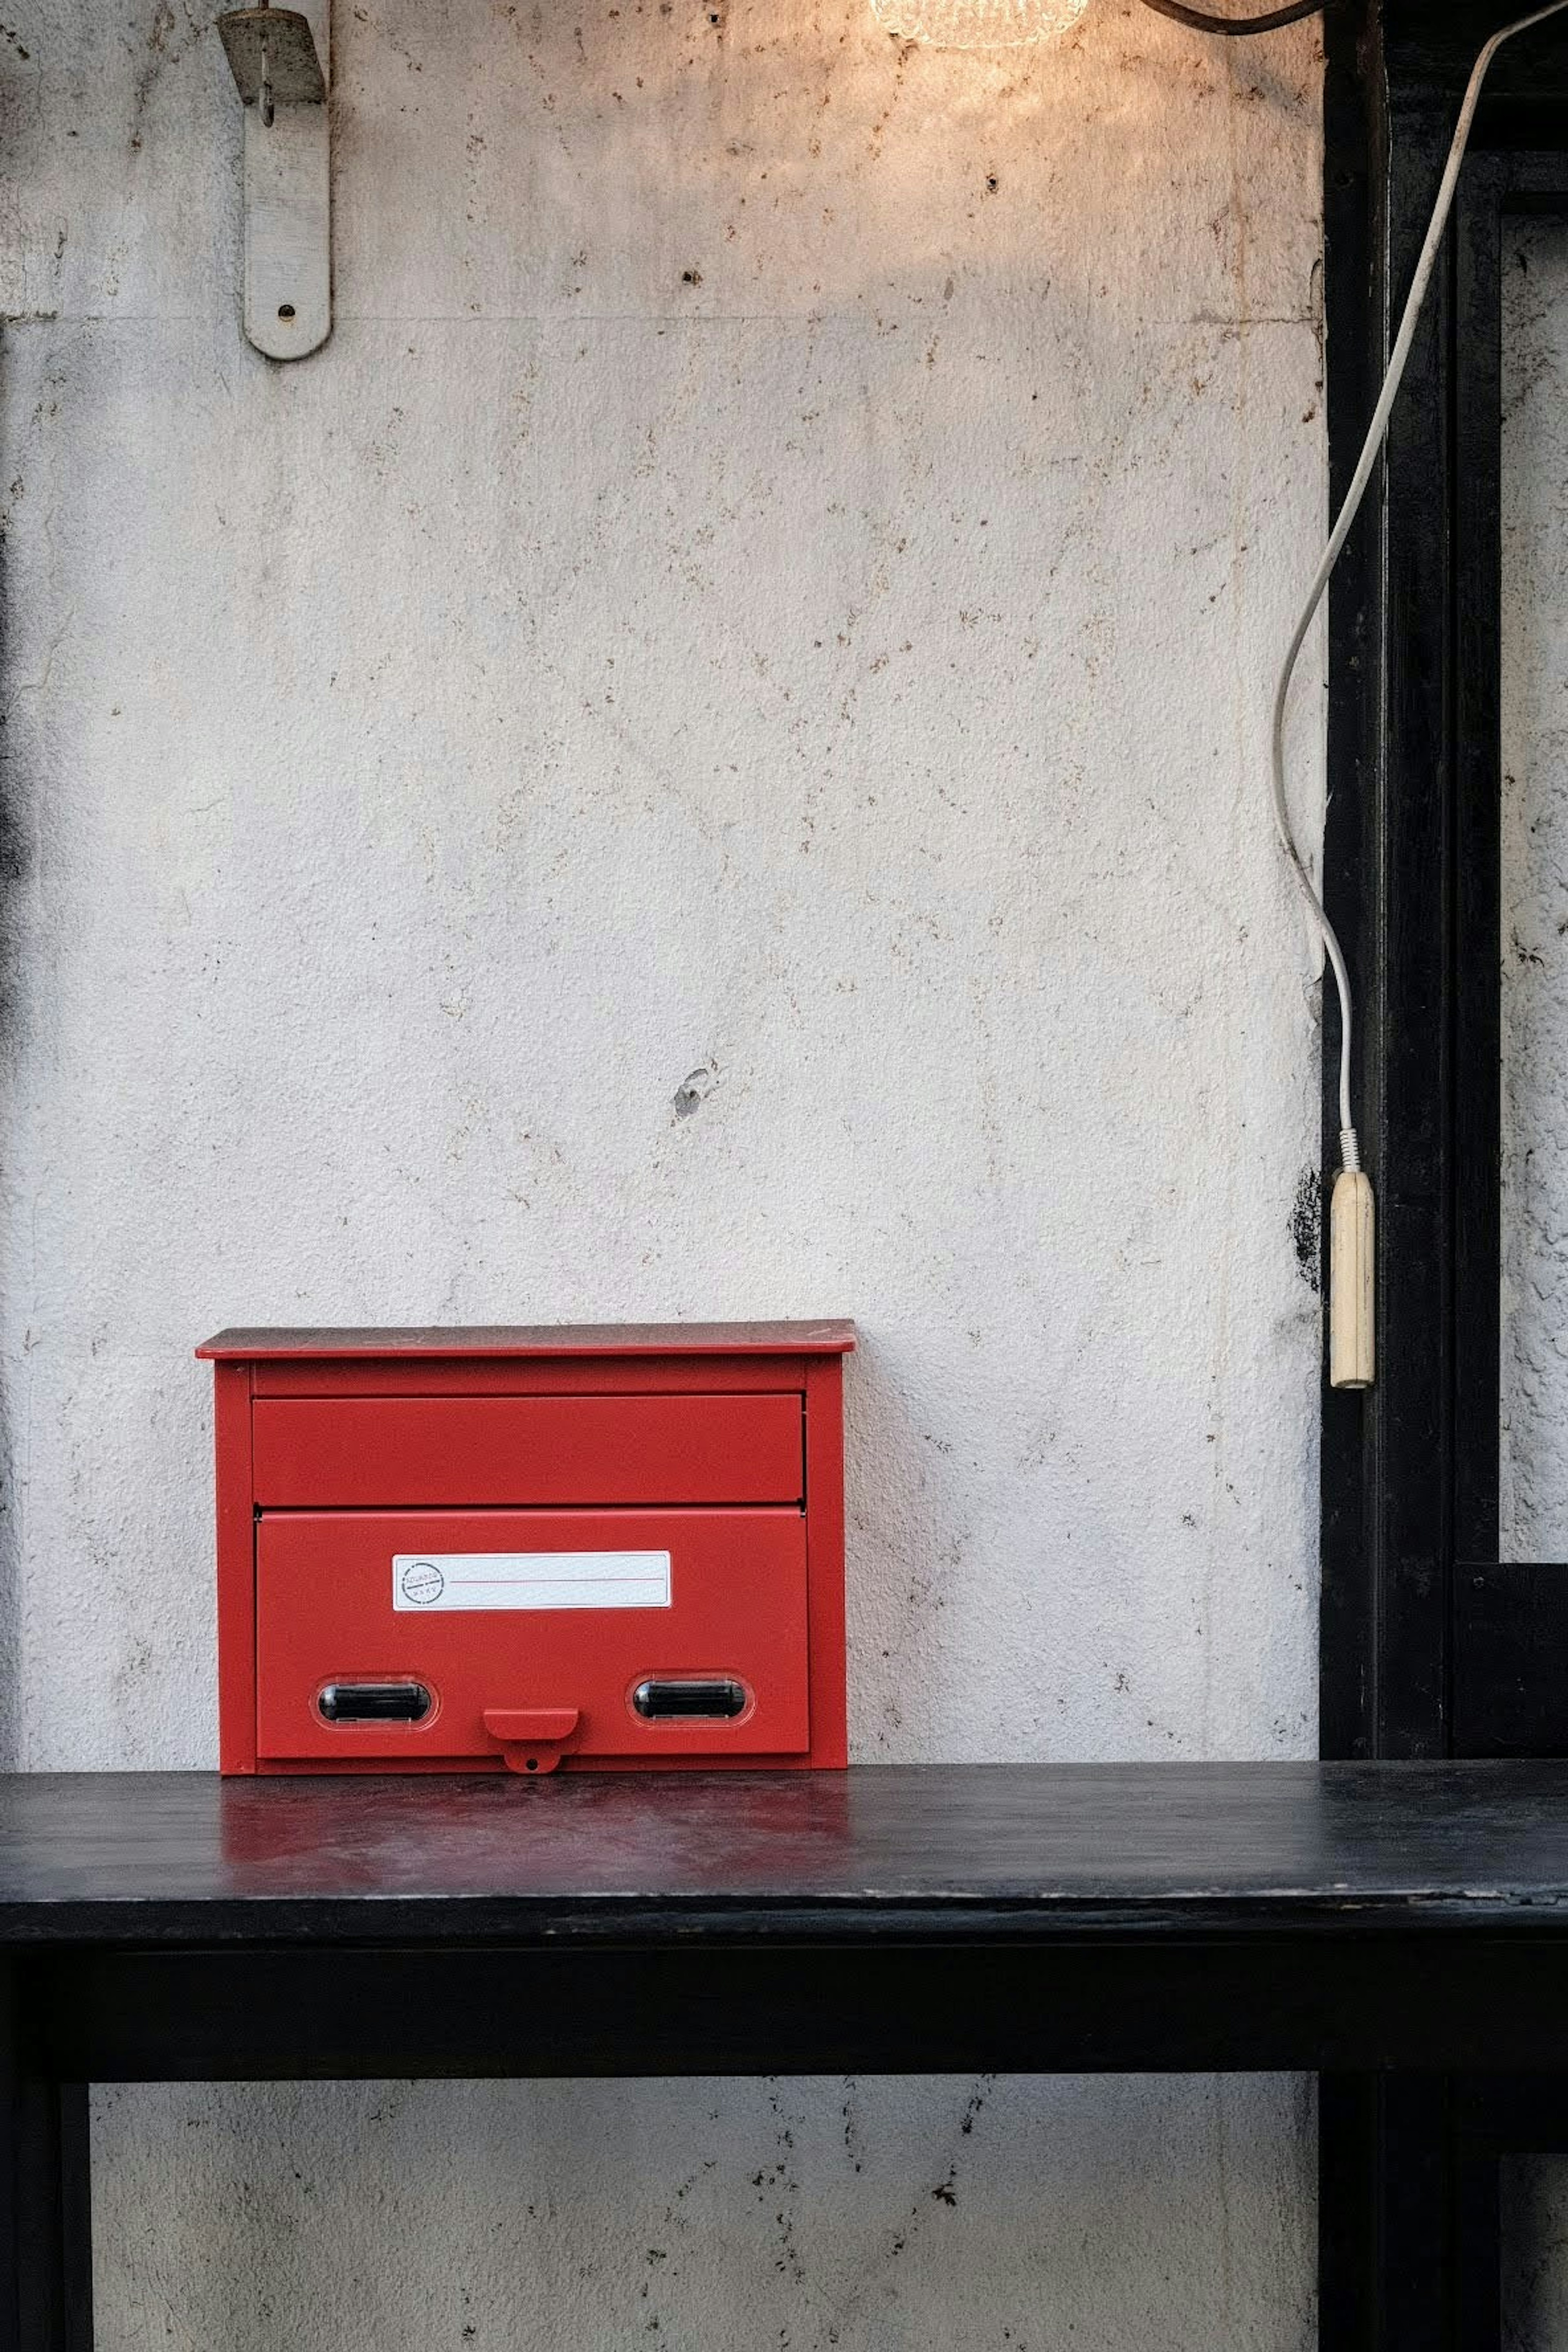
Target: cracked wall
(705, 758)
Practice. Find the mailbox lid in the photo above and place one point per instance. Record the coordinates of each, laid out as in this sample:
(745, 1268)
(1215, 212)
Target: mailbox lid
(332, 1610)
(527, 1341)
(371, 1451)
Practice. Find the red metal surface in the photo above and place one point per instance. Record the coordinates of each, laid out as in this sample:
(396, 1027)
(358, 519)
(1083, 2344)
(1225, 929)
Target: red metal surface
(677, 1375)
(825, 1483)
(348, 1451)
(532, 1737)
(236, 1570)
(515, 1727)
(324, 1614)
(329, 1464)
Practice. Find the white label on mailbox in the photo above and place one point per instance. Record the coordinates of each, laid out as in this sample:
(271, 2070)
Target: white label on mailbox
(529, 1580)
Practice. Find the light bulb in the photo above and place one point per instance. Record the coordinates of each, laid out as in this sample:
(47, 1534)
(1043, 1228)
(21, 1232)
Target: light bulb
(977, 24)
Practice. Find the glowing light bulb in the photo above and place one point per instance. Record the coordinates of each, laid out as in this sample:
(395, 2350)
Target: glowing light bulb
(978, 23)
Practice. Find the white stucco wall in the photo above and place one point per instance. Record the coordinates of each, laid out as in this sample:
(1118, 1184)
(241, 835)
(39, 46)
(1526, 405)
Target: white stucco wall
(1534, 1460)
(1534, 1455)
(775, 575)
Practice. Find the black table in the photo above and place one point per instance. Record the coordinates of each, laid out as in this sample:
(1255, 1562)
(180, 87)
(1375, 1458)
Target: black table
(1373, 1920)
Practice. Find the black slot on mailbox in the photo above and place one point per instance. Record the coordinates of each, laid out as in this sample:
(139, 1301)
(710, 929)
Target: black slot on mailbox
(668, 1697)
(374, 1703)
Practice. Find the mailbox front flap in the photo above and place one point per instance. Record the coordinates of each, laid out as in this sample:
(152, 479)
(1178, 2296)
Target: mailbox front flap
(669, 1633)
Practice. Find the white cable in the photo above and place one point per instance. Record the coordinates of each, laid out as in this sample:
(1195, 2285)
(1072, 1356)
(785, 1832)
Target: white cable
(1364, 465)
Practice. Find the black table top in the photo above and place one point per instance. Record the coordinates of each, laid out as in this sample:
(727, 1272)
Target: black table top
(1053, 1851)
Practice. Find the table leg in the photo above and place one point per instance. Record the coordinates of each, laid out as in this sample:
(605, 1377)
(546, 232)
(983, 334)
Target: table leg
(1478, 2247)
(1408, 2235)
(45, 2219)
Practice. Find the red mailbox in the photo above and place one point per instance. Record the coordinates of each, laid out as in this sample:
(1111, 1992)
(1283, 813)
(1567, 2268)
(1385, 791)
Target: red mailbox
(460, 1551)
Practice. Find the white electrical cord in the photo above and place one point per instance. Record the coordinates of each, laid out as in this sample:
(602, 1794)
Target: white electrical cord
(1349, 1149)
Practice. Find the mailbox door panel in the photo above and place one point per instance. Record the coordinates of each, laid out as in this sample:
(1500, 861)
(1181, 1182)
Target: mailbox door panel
(486, 1612)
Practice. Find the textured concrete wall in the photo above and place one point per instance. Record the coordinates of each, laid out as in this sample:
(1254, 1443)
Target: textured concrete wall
(1535, 2255)
(766, 597)
(1534, 1464)
(1534, 1461)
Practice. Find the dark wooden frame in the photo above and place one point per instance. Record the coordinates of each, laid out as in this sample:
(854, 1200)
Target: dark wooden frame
(1411, 865)
(1431, 1647)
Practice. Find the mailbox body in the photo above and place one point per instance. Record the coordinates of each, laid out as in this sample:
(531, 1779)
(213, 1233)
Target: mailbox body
(613, 1548)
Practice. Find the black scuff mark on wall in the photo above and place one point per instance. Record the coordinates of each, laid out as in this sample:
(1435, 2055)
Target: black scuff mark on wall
(1307, 1228)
